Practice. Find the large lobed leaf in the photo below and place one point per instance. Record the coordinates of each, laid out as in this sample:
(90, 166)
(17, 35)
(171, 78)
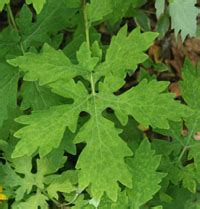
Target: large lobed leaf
(101, 163)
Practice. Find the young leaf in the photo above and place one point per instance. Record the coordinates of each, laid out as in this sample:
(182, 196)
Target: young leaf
(184, 14)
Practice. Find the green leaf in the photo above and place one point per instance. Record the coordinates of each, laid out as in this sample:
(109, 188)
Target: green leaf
(35, 135)
(182, 199)
(130, 52)
(105, 166)
(142, 20)
(35, 201)
(59, 183)
(54, 17)
(122, 199)
(101, 163)
(183, 14)
(96, 10)
(37, 4)
(138, 3)
(19, 174)
(144, 108)
(54, 64)
(119, 9)
(37, 97)
(160, 7)
(145, 177)
(9, 39)
(8, 90)
(2, 4)
(190, 91)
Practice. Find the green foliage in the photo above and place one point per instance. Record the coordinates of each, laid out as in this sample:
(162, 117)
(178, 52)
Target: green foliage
(2, 4)
(37, 4)
(73, 129)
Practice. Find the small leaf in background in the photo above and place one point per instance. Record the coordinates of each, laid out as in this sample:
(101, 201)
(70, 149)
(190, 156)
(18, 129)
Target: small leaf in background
(163, 25)
(144, 166)
(96, 11)
(142, 20)
(160, 7)
(183, 15)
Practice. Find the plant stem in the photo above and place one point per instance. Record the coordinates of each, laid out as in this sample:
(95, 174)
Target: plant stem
(87, 36)
(12, 19)
(187, 141)
(92, 84)
(86, 22)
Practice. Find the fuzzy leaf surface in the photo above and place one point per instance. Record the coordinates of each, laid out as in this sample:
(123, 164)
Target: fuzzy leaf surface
(184, 14)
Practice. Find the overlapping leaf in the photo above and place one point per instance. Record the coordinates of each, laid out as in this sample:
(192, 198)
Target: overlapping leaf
(9, 39)
(54, 17)
(191, 91)
(101, 164)
(37, 97)
(42, 133)
(145, 178)
(8, 90)
(19, 175)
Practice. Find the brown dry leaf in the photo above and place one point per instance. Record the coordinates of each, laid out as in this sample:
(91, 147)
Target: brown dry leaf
(192, 49)
(155, 53)
(178, 55)
(174, 88)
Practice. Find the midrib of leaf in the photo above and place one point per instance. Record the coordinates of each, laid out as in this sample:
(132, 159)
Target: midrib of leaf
(40, 94)
(188, 139)
(87, 35)
(93, 94)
